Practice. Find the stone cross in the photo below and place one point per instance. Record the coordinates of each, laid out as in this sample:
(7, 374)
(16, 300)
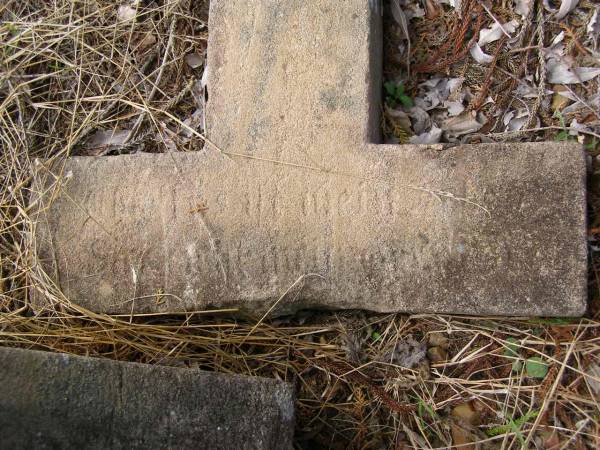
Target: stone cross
(293, 202)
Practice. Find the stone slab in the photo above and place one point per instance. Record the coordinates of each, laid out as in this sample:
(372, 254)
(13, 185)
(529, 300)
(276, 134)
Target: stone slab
(293, 191)
(51, 400)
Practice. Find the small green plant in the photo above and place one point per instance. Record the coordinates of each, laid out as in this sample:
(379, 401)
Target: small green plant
(512, 348)
(553, 321)
(535, 367)
(591, 146)
(514, 425)
(424, 410)
(424, 415)
(562, 135)
(396, 95)
(12, 28)
(512, 352)
(55, 66)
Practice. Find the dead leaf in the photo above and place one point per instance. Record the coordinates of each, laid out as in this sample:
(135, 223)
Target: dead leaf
(516, 120)
(566, 6)
(126, 13)
(420, 119)
(194, 122)
(551, 440)
(466, 413)
(105, 138)
(400, 117)
(593, 378)
(407, 353)
(462, 438)
(147, 41)
(463, 124)
(433, 136)
(526, 90)
(559, 102)
(432, 9)
(194, 60)
(438, 339)
(436, 91)
(479, 55)
(454, 108)
(495, 32)
(578, 105)
(557, 40)
(575, 127)
(400, 18)
(559, 72)
(456, 4)
(437, 354)
(523, 7)
(593, 27)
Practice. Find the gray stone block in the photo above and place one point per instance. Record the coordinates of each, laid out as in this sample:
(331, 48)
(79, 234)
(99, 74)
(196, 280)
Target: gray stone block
(292, 192)
(59, 401)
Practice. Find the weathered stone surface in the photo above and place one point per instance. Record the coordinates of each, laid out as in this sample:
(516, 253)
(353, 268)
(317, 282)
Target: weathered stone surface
(296, 81)
(292, 187)
(50, 400)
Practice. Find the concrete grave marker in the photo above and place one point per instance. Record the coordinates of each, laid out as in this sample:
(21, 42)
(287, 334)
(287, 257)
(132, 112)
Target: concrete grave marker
(293, 191)
(52, 400)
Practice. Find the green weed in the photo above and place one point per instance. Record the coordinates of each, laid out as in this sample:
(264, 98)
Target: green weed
(396, 95)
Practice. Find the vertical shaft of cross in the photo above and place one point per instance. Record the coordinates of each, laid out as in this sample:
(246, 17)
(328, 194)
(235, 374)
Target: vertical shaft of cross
(311, 89)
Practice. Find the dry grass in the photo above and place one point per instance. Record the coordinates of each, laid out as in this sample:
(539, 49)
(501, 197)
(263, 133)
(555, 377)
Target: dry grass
(68, 69)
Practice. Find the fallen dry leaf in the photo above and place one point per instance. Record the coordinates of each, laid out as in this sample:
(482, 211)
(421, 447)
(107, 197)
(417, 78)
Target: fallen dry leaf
(479, 55)
(466, 413)
(462, 124)
(437, 354)
(559, 102)
(438, 339)
(147, 41)
(407, 353)
(126, 13)
(495, 32)
(194, 60)
(559, 72)
(433, 136)
(432, 10)
(462, 438)
(105, 138)
(523, 7)
(566, 6)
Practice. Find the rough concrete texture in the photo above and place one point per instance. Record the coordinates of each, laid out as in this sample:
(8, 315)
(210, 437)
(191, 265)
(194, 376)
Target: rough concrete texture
(293, 194)
(51, 401)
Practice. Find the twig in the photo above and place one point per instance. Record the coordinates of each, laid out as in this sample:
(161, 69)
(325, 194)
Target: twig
(509, 134)
(550, 394)
(542, 67)
(478, 102)
(487, 10)
(440, 60)
(294, 284)
(156, 83)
